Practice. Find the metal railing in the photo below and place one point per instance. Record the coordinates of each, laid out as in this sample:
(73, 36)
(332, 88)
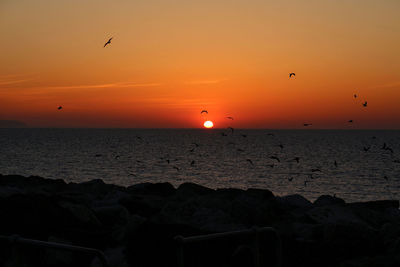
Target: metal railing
(16, 240)
(254, 233)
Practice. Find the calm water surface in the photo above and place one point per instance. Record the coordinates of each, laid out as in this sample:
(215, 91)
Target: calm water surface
(241, 159)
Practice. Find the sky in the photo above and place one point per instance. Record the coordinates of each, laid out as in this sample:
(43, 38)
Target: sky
(169, 60)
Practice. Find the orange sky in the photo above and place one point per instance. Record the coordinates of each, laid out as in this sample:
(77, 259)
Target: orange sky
(171, 59)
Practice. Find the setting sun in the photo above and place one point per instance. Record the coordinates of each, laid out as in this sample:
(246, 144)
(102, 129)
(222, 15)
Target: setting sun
(208, 124)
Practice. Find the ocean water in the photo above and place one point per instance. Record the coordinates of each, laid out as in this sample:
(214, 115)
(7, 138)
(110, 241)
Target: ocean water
(239, 159)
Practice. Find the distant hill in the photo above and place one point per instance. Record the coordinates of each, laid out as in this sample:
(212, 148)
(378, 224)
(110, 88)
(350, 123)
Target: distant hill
(12, 124)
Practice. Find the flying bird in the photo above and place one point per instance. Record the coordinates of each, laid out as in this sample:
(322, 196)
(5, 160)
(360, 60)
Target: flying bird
(292, 74)
(250, 161)
(60, 108)
(204, 111)
(364, 104)
(316, 170)
(276, 158)
(307, 124)
(366, 148)
(350, 121)
(355, 96)
(108, 42)
(229, 118)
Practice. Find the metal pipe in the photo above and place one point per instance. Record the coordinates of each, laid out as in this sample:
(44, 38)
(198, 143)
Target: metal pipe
(15, 239)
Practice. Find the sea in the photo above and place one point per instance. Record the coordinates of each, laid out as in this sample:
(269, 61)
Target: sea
(356, 165)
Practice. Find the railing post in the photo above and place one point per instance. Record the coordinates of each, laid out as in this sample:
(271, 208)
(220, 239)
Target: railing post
(179, 241)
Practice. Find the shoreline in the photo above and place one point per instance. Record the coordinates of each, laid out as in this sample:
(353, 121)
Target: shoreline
(133, 224)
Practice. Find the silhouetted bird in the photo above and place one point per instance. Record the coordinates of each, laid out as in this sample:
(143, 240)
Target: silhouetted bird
(292, 74)
(335, 163)
(192, 163)
(60, 108)
(350, 121)
(117, 156)
(176, 168)
(290, 179)
(365, 104)
(297, 159)
(229, 118)
(204, 111)
(108, 42)
(367, 148)
(249, 160)
(276, 158)
(307, 124)
(355, 96)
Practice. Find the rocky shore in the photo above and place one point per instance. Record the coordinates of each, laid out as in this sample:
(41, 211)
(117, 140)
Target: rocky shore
(136, 225)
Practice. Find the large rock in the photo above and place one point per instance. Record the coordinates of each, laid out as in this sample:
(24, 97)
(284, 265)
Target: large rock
(158, 189)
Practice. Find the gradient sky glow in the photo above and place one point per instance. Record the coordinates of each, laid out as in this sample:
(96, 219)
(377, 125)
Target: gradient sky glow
(171, 59)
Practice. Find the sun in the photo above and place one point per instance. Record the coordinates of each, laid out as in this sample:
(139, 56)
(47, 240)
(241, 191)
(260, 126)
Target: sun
(208, 124)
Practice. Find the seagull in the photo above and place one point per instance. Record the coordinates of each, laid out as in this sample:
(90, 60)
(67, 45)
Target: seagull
(307, 124)
(364, 104)
(384, 146)
(350, 121)
(276, 158)
(355, 96)
(292, 74)
(108, 42)
(297, 159)
(229, 118)
(204, 111)
(59, 108)
(249, 160)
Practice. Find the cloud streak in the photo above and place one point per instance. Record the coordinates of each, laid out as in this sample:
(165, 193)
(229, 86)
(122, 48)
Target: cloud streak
(105, 85)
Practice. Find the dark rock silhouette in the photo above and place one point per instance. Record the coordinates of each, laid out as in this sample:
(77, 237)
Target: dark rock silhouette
(136, 226)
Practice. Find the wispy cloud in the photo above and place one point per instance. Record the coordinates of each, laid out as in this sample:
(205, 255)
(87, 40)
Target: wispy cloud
(205, 81)
(10, 82)
(387, 85)
(106, 85)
